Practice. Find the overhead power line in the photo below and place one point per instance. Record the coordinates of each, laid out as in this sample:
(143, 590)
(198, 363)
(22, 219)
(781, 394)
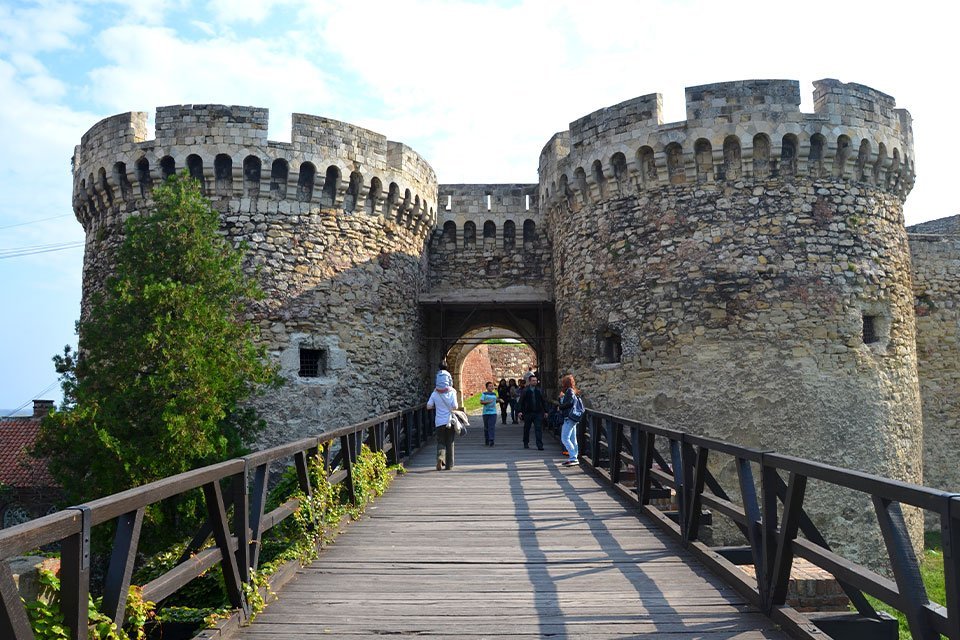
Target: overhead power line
(18, 252)
(23, 224)
(35, 397)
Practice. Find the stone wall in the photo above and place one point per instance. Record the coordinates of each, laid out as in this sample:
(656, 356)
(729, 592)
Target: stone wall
(511, 360)
(941, 226)
(336, 222)
(936, 287)
(476, 371)
(746, 277)
(489, 236)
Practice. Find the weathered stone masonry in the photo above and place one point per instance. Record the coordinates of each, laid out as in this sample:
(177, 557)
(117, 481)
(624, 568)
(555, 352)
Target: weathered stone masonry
(935, 249)
(490, 237)
(744, 273)
(336, 221)
(752, 266)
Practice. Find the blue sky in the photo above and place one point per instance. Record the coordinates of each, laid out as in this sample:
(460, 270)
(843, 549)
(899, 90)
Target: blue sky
(475, 87)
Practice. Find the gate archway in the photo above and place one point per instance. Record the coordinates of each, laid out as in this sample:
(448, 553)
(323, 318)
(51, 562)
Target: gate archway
(459, 354)
(453, 329)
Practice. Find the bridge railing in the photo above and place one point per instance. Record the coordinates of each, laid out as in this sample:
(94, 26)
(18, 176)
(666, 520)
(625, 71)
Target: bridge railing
(238, 543)
(653, 466)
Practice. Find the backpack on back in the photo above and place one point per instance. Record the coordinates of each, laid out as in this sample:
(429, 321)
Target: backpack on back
(577, 410)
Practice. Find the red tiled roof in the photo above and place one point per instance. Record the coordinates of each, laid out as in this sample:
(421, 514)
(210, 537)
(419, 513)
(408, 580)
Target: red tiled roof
(17, 467)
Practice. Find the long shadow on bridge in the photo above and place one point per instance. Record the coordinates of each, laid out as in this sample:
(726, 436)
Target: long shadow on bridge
(506, 544)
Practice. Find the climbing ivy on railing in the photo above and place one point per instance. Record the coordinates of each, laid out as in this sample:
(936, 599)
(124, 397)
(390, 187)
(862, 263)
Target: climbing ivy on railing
(316, 522)
(371, 478)
(46, 618)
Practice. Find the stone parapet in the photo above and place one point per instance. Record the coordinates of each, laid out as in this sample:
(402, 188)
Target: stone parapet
(749, 130)
(336, 164)
(489, 236)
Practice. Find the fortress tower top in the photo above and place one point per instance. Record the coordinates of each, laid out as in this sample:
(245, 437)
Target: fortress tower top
(735, 130)
(332, 163)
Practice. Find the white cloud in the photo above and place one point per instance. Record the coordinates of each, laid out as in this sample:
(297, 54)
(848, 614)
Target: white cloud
(37, 136)
(205, 27)
(155, 12)
(39, 27)
(153, 66)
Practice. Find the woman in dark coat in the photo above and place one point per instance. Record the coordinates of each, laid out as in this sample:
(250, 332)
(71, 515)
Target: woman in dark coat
(503, 397)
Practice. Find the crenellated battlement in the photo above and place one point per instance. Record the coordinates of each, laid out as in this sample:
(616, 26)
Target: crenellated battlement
(735, 131)
(490, 236)
(496, 213)
(330, 164)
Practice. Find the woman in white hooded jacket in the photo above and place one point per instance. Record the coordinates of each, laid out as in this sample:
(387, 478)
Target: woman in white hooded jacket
(445, 403)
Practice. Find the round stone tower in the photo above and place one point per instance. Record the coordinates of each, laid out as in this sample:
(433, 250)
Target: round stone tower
(745, 274)
(336, 223)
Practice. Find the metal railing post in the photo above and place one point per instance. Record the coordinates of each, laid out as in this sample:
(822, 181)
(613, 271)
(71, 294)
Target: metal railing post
(75, 576)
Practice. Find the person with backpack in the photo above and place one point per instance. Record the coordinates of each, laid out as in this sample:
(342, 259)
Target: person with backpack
(571, 406)
(533, 411)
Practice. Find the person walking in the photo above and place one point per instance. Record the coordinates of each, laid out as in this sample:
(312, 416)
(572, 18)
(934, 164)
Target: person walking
(533, 410)
(529, 374)
(503, 397)
(489, 401)
(569, 399)
(445, 403)
(514, 392)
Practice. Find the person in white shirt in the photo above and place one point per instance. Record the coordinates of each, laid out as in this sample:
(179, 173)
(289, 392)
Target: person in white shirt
(445, 403)
(529, 374)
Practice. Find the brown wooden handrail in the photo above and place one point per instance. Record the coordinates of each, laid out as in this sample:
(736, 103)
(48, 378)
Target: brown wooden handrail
(399, 434)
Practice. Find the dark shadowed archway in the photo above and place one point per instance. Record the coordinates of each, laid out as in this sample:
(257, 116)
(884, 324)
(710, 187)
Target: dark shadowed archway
(455, 327)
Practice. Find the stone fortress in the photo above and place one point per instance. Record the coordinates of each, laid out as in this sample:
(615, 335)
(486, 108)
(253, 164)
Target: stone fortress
(743, 274)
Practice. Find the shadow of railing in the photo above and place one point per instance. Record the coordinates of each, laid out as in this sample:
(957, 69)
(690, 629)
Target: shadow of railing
(546, 576)
(667, 463)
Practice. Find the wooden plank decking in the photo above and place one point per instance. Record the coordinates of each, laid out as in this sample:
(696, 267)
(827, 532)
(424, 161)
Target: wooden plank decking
(508, 544)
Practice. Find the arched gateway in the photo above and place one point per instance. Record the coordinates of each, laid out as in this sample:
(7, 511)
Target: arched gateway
(497, 285)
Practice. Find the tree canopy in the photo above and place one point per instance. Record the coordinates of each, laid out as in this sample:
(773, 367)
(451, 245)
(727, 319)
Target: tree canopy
(167, 356)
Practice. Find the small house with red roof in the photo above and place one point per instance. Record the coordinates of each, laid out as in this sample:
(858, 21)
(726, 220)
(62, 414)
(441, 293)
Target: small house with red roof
(27, 490)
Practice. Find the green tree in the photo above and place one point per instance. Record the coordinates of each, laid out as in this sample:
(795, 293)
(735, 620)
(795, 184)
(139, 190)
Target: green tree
(166, 360)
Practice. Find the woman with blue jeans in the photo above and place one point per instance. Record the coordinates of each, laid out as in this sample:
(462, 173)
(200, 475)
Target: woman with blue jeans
(568, 434)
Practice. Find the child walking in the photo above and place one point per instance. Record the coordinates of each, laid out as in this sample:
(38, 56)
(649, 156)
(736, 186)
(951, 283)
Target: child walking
(489, 401)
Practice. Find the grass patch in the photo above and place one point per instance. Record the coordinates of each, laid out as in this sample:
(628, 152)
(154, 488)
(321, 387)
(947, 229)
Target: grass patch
(510, 342)
(931, 569)
(472, 404)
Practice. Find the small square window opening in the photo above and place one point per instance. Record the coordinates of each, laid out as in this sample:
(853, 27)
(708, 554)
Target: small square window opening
(870, 329)
(612, 349)
(313, 363)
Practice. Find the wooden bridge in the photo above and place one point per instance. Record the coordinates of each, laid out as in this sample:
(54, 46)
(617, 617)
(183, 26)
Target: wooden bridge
(511, 544)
